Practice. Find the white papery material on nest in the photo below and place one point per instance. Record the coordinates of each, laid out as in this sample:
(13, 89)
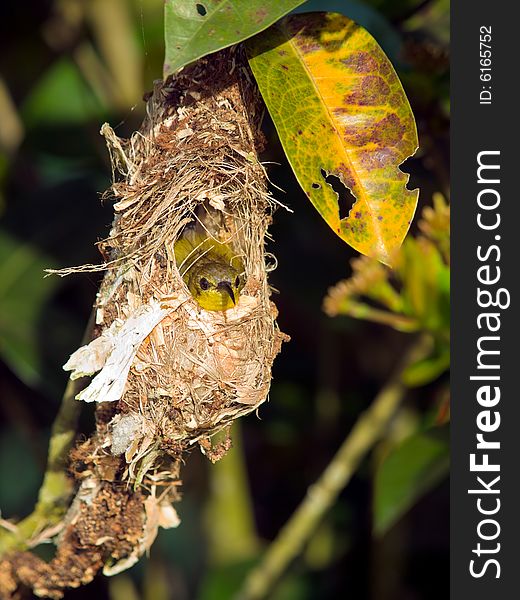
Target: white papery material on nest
(113, 354)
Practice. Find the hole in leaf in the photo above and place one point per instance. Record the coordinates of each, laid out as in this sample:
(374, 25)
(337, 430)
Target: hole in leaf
(316, 186)
(346, 198)
(201, 9)
(412, 167)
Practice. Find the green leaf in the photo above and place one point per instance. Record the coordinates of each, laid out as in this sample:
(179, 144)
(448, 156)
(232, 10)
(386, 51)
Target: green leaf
(340, 110)
(23, 291)
(61, 96)
(195, 29)
(427, 370)
(407, 473)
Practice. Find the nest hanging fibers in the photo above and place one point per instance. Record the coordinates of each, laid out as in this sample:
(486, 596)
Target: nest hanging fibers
(174, 372)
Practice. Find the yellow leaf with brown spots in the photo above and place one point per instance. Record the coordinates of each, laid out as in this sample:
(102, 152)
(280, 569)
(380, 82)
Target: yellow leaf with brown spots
(341, 112)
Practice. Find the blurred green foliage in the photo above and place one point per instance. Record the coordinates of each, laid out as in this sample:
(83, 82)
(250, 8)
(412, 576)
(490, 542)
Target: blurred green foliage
(68, 65)
(410, 470)
(61, 97)
(22, 292)
(414, 297)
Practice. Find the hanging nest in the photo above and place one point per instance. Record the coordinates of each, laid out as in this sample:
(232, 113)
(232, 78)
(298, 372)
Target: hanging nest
(174, 372)
(166, 374)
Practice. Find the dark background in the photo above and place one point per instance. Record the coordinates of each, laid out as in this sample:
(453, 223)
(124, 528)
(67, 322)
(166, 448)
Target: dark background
(64, 80)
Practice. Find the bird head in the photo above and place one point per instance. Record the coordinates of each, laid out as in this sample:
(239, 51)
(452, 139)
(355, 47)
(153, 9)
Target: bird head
(215, 285)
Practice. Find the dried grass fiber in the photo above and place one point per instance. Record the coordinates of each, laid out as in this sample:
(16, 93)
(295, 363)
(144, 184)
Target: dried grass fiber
(195, 157)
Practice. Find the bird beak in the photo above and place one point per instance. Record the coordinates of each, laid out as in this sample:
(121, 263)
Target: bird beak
(227, 286)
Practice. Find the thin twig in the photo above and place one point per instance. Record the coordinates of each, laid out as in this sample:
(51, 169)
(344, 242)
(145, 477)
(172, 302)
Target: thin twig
(369, 428)
(57, 488)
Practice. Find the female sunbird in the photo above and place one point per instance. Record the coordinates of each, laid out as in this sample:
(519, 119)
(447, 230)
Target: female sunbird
(211, 270)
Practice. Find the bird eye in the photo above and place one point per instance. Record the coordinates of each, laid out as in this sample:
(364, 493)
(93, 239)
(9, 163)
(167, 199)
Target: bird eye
(237, 281)
(204, 283)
